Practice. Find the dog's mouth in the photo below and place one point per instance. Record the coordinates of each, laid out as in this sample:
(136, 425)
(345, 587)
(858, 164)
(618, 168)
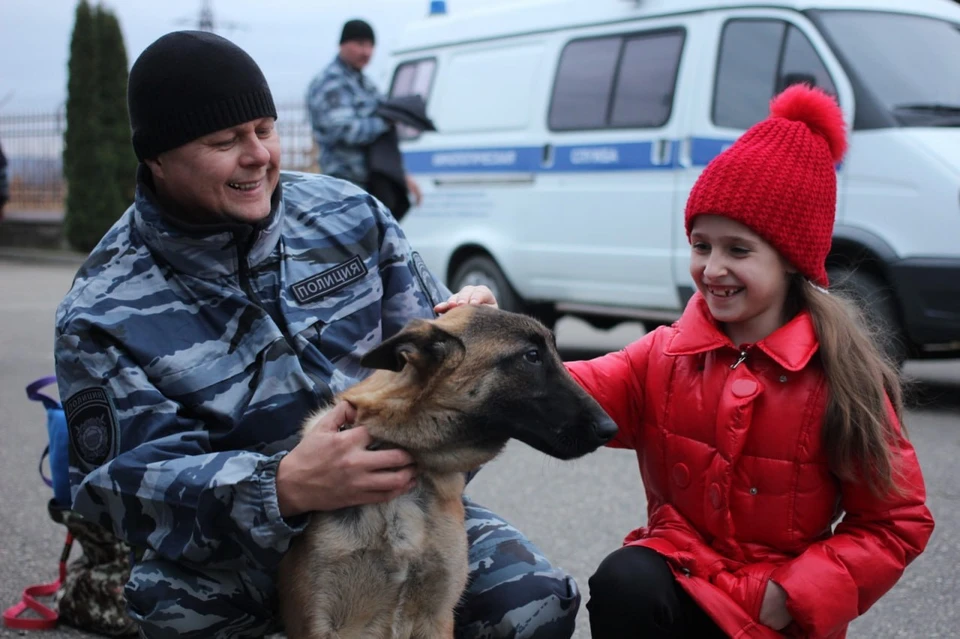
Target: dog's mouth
(569, 443)
(560, 447)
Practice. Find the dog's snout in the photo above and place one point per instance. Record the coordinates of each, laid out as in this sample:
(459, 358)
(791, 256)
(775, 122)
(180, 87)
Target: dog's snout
(604, 429)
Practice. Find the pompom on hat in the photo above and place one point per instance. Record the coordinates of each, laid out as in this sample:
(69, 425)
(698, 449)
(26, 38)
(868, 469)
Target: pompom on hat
(780, 180)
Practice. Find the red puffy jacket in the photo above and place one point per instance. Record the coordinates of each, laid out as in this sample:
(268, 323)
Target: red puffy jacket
(736, 477)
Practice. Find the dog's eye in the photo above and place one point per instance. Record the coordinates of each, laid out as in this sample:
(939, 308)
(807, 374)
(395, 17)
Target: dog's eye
(533, 356)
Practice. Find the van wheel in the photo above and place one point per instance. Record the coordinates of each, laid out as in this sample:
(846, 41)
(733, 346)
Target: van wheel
(877, 302)
(481, 270)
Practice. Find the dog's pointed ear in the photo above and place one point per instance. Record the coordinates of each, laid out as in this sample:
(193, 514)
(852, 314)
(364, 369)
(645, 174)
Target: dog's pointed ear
(421, 344)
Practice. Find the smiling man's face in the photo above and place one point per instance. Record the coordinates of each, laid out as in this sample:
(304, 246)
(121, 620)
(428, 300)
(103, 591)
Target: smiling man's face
(227, 175)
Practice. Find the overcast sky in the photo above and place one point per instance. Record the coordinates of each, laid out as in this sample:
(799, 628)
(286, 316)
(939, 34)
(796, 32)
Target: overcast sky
(291, 40)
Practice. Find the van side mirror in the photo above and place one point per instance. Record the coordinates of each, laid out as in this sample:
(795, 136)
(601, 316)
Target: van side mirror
(790, 79)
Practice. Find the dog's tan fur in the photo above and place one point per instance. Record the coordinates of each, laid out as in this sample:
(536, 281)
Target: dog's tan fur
(452, 392)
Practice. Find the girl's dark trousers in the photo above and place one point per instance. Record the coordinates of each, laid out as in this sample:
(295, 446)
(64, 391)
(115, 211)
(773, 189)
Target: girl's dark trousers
(633, 595)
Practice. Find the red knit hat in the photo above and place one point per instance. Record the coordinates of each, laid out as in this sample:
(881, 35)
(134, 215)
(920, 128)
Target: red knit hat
(780, 180)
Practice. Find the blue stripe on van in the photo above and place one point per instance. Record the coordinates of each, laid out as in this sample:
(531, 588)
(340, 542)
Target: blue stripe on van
(630, 156)
(492, 160)
(626, 156)
(702, 150)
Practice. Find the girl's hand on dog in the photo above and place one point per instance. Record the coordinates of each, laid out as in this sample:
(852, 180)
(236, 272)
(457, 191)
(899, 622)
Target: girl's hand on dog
(479, 295)
(331, 469)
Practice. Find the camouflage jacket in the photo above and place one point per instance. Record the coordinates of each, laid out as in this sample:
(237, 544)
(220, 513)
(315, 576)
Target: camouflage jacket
(341, 102)
(4, 182)
(188, 358)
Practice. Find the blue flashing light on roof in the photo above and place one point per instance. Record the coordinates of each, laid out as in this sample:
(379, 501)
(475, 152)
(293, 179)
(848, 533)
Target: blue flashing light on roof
(438, 7)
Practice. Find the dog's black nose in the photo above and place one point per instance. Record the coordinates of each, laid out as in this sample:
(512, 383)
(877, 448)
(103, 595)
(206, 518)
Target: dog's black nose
(604, 428)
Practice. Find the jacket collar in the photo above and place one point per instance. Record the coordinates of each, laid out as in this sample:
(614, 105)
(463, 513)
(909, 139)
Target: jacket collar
(346, 68)
(792, 345)
(356, 75)
(207, 251)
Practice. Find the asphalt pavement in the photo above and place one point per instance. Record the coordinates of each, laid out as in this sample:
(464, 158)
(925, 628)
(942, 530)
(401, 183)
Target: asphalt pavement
(577, 511)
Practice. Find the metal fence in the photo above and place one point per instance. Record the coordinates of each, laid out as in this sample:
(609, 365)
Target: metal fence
(298, 151)
(33, 144)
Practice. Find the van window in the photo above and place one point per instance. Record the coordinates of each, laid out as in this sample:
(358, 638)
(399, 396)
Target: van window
(581, 91)
(648, 74)
(907, 62)
(489, 89)
(412, 78)
(802, 63)
(757, 60)
(618, 81)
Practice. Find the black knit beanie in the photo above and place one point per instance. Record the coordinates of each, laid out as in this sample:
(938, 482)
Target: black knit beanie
(188, 84)
(356, 30)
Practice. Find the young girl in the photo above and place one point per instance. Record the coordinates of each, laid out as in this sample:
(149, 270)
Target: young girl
(760, 417)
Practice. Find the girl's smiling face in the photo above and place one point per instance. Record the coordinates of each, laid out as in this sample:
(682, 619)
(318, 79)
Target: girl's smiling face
(744, 279)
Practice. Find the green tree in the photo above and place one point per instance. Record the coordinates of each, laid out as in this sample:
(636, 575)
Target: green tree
(113, 75)
(93, 164)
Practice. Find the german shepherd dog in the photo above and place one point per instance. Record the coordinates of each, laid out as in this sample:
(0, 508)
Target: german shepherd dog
(451, 391)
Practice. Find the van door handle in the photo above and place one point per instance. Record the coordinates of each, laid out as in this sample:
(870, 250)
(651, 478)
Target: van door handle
(660, 152)
(547, 157)
(685, 154)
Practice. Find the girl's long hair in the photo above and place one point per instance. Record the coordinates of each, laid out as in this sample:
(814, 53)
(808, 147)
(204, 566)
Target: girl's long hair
(858, 430)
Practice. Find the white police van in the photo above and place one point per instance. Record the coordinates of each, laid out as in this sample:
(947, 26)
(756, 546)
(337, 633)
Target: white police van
(571, 131)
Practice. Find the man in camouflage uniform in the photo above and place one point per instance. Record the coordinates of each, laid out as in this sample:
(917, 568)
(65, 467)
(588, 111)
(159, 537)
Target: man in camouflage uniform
(342, 102)
(226, 304)
(4, 183)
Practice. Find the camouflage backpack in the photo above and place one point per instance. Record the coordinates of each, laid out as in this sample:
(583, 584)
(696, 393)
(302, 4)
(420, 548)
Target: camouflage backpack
(89, 593)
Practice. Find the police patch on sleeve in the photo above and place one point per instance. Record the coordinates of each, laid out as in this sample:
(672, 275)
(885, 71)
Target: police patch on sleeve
(92, 426)
(427, 284)
(332, 98)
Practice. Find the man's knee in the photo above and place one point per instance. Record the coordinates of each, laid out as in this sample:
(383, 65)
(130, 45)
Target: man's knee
(513, 590)
(170, 600)
(533, 606)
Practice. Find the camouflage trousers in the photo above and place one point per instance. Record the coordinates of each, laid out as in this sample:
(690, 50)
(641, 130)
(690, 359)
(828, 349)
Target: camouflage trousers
(513, 592)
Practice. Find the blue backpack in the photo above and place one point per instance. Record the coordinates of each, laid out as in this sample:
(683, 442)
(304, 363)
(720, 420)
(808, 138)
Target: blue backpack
(89, 590)
(31, 613)
(58, 449)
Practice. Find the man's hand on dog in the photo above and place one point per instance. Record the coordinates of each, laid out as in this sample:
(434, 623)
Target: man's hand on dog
(479, 295)
(332, 468)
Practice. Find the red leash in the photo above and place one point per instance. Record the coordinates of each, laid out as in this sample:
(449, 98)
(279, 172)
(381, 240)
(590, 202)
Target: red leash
(48, 618)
